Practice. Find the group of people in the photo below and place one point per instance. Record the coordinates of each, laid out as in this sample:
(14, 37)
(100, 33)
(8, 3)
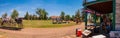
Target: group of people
(106, 26)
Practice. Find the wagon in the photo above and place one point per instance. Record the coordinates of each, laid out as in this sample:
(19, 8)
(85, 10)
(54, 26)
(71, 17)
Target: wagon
(11, 24)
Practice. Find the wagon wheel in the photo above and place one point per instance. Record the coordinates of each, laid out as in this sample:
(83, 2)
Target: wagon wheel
(14, 24)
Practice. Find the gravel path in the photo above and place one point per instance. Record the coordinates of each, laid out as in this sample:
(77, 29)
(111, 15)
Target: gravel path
(62, 32)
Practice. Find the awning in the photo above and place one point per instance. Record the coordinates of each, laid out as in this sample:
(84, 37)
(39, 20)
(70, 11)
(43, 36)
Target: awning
(102, 7)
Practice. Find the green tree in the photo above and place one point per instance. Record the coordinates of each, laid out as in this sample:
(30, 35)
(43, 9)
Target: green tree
(83, 16)
(93, 17)
(62, 15)
(67, 17)
(34, 17)
(77, 15)
(42, 14)
(31, 17)
(27, 16)
(110, 15)
(45, 14)
(4, 15)
(39, 12)
(72, 18)
(14, 14)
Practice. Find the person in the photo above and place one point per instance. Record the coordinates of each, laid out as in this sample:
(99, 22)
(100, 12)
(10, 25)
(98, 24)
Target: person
(106, 26)
(77, 20)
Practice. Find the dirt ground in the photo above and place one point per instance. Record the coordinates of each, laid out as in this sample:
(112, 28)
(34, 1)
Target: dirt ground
(63, 32)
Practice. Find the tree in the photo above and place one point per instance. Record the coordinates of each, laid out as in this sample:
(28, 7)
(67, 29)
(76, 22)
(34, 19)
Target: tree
(31, 18)
(39, 12)
(34, 17)
(4, 15)
(14, 14)
(45, 14)
(27, 16)
(110, 15)
(73, 17)
(42, 14)
(77, 15)
(67, 17)
(62, 15)
(83, 16)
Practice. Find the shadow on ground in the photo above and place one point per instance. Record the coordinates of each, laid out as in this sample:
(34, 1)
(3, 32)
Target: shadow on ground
(10, 28)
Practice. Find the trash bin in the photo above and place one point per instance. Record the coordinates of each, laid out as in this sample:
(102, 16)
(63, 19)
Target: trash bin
(78, 32)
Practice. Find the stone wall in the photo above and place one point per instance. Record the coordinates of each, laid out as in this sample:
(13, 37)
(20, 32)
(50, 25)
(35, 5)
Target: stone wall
(117, 14)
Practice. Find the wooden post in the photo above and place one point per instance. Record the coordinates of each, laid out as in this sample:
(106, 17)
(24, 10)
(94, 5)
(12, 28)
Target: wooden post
(95, 17)
(85, 20)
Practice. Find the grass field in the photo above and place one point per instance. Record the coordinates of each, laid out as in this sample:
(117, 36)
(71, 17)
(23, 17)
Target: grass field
(43, 24)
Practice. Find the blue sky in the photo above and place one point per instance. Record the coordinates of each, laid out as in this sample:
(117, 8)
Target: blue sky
(53, 7)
